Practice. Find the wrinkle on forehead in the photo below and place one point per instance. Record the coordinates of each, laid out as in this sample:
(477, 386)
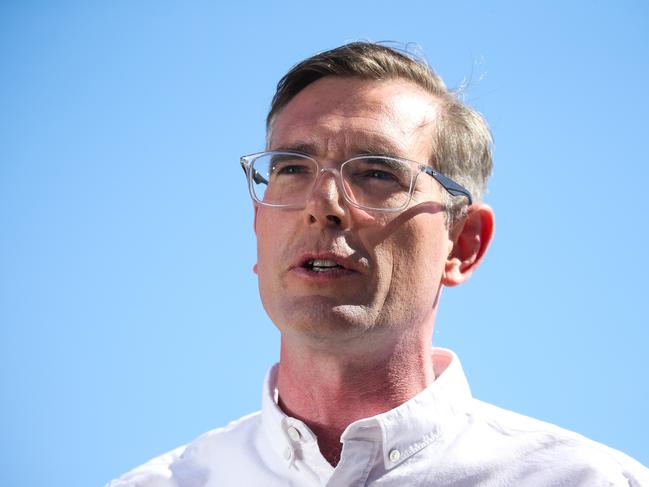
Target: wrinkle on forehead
(339, 117)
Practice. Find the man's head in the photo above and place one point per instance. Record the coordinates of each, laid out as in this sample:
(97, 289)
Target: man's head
(462, 140)
(333, 271)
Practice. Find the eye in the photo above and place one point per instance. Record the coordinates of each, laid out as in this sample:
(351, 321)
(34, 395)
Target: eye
(378, 174)
(377, 170)
(289, 165)
(283, 168)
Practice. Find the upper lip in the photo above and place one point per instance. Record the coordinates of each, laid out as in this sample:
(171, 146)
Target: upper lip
(343, 261)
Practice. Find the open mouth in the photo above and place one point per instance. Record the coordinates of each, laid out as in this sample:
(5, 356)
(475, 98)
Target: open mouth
(322, 265)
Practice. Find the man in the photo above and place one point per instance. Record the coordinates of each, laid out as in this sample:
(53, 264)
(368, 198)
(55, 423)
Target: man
(368, 201)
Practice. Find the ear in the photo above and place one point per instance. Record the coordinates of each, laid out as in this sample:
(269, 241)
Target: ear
(471, 237)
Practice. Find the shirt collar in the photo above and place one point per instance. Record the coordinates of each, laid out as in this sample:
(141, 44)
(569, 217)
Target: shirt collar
(405, 429)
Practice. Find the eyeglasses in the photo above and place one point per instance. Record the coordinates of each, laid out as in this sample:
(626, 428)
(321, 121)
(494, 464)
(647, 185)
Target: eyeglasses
(378, 183)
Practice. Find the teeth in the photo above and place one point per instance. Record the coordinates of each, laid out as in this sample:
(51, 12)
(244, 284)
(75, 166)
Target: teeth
(322, 265)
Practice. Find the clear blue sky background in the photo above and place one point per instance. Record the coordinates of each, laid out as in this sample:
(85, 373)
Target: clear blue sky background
(129, 316)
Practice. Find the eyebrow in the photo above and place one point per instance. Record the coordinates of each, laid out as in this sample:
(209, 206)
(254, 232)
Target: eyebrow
(379, 149)
(302, 148)
(375, 148)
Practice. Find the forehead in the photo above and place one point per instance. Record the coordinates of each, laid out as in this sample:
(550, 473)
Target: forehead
(337, 117)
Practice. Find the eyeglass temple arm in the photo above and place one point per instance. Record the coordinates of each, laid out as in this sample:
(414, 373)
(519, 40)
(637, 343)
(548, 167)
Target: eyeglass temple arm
(449, 185)
(256, 177)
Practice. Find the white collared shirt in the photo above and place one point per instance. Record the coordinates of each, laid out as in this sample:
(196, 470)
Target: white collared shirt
(441, 437)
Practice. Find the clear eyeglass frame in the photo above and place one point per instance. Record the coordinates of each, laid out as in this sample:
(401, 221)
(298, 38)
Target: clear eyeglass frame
(253, 177)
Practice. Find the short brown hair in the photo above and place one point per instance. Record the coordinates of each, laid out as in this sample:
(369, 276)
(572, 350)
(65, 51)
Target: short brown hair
(463, 140)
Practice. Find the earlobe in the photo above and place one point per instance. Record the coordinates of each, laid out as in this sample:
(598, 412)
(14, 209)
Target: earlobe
(471, 241)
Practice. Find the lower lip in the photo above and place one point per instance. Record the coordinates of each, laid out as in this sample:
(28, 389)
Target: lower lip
(317, 276)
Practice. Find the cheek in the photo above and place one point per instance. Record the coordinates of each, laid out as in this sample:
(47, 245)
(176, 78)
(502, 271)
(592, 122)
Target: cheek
(267, 262)
(269, 239)
(419, 257)
(262, 246)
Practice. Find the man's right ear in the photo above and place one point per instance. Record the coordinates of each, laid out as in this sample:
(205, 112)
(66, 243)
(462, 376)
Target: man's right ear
(473, 236)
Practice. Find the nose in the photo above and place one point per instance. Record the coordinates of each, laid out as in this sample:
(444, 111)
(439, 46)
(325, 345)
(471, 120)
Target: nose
(326, 203)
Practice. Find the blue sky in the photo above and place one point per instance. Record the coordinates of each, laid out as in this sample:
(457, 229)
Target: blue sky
(129, 315)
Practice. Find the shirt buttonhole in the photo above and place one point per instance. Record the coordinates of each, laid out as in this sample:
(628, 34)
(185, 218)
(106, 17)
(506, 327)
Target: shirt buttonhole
(287, 453)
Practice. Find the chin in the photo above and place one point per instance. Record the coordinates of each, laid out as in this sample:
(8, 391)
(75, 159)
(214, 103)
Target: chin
(321, 318)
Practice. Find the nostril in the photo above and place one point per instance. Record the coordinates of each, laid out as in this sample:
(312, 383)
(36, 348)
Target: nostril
(334, 219)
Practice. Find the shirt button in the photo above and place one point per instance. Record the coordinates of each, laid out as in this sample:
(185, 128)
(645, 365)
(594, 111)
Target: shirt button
(395, 455)
(294, 433)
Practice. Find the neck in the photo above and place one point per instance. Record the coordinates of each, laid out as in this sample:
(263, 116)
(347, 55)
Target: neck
(328, 388)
